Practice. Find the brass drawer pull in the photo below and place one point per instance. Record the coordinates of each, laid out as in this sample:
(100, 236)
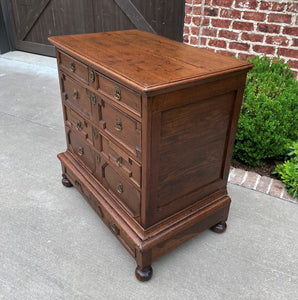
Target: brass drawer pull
(72, 66)
(81, 151)
(78, 125)
(114, 228)
(120, 188)
(93, 99)
(75, 94)
(119, 160)
(91, 76)
(118, 125)
(117, 93)
(97, 158)
(95, 134)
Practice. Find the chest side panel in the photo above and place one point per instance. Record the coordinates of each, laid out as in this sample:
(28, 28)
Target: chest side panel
(192, 136)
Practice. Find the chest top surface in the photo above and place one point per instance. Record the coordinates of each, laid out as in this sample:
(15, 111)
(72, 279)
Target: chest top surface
(145, 60)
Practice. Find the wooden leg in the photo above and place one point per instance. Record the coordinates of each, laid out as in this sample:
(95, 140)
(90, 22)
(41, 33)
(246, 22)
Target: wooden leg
(143, 274)
(65, 181)
(219, 227)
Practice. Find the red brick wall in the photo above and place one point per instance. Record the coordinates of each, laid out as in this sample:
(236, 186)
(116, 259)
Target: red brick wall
(244, 28)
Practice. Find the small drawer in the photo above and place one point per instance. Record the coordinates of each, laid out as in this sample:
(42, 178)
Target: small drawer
(123, 163)
(123, 128)
(73, 66)
(122, 95)
(78, 124)
(81, 150)
(122, 189)
(76, 96)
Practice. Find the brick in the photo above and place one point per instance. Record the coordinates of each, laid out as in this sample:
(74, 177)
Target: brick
(209, 31)
(196, 21)
(287, 52)
(186, 39)
(293, 64)
(252, 37)
(186, 30)
(207, 2)
(221, 23)
(225, 3)
(263, 184)
(206, 21)
(251, 180)
(290, 30)
(187, 19)
(251, 4)
(263, 49)
(237, 176)
(272, 6)
(243, 26)
(197, 1)
(226, 53)
(269, 28)
(287, 196)
(277, 40)
(252, 15)
(280, 18)
(231, 35)
(188, 9)
(239, 46)
(193, 40)
(230, 13)
(210, 11)
(203, 41)
(196, 10)
(292, 7)
(276, 188)
(188, 1)
(217, 43)
(295, 43)
(244, 56)
(195, 30)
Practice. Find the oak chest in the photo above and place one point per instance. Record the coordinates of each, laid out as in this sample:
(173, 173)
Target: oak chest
(150, 125)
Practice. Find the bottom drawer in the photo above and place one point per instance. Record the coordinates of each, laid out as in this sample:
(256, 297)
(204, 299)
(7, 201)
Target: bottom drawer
(111, 223)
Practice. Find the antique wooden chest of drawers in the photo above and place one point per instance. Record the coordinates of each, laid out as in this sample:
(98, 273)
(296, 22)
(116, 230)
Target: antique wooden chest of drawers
(150, 126)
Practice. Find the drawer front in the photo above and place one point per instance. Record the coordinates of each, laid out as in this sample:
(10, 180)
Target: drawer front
(76, 96)
(81, 150)
(122, 189)
(123, 128)
(75, 67)
(120, 94)
(78, 124)
(122, 163)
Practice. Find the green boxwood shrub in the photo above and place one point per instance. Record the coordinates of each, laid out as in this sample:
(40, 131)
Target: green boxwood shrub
(268, 120)
(288, 171)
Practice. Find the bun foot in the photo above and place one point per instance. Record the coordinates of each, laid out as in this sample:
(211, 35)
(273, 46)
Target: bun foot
(143, 274)
(219, 227)
(65, 181)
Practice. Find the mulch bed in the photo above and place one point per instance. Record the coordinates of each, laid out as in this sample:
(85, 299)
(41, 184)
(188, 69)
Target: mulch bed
(265, 170)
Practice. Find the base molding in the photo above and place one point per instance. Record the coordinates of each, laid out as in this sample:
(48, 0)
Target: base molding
(145, 246)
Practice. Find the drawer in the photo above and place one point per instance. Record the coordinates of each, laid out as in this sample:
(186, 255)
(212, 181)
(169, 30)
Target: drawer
(122, 95)
(122, 189)
(81, 150)
(78, 124)
(123, 128)
(124, 164)
(75, 67)
(76, 95)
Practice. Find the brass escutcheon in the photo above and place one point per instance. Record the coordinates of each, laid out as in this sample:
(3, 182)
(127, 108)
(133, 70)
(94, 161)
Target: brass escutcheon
(120, 188)
(119, 160)
(91, 76)
(118, 125)
(81, 151)
(95, 134)
(115, 228)
(93, 99)
(117, 93)
(72, 66)
(75, 94)
(78, 125)
(97, 158)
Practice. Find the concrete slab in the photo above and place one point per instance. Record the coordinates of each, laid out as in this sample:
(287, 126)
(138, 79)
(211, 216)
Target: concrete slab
(53, 246)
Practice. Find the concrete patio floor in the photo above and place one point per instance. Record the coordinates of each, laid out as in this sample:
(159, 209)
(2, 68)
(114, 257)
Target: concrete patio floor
(53, 245)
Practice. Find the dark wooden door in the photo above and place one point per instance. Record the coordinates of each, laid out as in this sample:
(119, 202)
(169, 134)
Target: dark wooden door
(33, 21)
